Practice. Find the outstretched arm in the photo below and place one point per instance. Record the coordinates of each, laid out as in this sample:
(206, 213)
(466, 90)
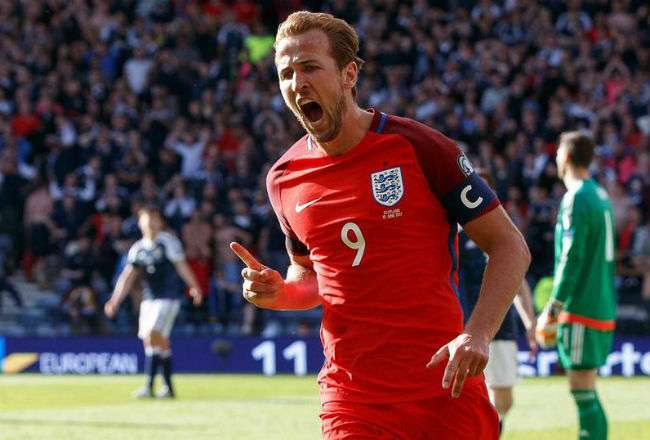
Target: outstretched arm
(123, 287)
(267, 289)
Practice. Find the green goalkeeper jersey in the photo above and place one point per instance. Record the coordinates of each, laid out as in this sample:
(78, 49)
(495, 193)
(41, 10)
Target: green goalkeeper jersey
(584, 256)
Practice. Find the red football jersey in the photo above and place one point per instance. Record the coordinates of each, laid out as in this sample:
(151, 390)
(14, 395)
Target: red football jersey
(380, 226)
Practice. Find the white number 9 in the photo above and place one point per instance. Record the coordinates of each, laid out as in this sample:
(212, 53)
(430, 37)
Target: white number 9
(359, 244)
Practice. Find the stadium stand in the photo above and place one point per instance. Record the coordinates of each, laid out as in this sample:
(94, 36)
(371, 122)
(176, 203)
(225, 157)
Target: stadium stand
(105, 106)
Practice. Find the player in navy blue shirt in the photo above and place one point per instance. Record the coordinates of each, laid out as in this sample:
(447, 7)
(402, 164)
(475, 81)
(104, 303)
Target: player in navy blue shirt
(157, 257)
(472, 265)
(501, 370)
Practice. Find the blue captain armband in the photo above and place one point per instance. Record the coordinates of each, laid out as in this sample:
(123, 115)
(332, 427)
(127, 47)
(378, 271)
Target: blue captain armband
(470, 199)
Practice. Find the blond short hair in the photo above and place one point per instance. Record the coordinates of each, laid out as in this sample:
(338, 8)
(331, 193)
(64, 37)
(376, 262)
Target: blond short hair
(343, 39)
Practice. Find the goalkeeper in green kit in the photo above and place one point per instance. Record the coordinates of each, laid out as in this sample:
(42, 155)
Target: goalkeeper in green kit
(582, 303)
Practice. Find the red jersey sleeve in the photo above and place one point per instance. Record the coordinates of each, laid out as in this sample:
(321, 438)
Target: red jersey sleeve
(294, 245)
(463, 193)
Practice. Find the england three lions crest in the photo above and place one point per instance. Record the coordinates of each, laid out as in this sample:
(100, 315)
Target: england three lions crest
(387, 186)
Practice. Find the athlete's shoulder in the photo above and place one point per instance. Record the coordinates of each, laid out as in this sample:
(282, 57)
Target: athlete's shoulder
(440, 158)
(280, 166)
(167, 237)
(463, 193)
(578, 204)
(137, 245)
(569, 198)
(600, 193)
(586, 188)
(276, 172)
(172, 245)
(421, 136)
(590, 196)
(132, 255)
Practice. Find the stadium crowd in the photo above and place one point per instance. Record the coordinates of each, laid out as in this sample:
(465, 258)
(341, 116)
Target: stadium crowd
(107, 106)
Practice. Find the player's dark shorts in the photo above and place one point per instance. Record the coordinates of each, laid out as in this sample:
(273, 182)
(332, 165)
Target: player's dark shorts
(468, 417)
(583, 348)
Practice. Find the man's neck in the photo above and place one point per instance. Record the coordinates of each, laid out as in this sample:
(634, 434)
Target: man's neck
(355, 123)
(574, 177)
(151, 236)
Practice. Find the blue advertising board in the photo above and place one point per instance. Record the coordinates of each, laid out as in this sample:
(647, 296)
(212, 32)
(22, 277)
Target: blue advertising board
(228, 354)
(124, 355)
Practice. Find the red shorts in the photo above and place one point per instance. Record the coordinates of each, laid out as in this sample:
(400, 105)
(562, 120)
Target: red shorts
(468, 417)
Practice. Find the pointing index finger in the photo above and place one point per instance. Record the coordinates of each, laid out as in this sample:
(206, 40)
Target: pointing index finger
(243, 254)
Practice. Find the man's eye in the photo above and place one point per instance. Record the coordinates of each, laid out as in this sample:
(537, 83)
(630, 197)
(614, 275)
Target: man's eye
(286, 74)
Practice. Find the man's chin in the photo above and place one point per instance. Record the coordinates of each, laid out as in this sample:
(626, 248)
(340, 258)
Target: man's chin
(319, 130)
(323, 134)
(326, 136)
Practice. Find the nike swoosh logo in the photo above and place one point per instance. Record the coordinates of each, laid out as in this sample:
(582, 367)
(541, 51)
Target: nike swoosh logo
(300, 208)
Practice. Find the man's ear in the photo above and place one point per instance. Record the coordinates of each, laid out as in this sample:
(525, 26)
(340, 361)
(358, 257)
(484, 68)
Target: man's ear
(350, 75)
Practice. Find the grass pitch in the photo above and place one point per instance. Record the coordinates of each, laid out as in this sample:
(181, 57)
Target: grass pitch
(255, 407)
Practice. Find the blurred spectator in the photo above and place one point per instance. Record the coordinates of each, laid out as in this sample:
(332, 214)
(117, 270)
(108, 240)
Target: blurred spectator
(137, 69)
(640, 254)
(540, 232)
(197, 236)
(40, 231)
(80, 304)
(189, 144)
(131, 168)
(6, 286)
(180, 207)
(227, 269)
(68, 217)
(79, 300)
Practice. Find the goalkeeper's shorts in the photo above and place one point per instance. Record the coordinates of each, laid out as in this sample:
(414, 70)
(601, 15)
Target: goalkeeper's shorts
(470, 416)
(583, 348)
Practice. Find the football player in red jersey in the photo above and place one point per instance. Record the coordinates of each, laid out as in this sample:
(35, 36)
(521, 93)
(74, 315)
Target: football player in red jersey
(370, 204)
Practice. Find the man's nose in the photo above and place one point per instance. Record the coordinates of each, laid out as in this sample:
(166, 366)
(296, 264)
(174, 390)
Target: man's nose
(297, 82)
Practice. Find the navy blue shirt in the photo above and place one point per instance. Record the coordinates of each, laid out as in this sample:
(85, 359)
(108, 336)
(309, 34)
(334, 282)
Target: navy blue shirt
(472, 265)
(156, 258)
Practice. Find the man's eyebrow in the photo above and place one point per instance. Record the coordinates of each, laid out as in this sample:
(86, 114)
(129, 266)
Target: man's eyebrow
(307, 61)
(300, 63)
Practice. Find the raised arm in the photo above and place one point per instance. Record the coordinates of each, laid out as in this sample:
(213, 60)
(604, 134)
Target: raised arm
(265, 287)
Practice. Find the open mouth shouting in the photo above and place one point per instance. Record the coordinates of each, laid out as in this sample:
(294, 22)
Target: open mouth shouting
(311, 110)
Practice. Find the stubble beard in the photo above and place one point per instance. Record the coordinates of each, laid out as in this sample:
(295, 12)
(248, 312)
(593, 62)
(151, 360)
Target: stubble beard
(336, 118)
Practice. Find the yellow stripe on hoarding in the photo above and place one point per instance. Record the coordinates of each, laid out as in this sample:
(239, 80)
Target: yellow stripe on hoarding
(17, 362)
